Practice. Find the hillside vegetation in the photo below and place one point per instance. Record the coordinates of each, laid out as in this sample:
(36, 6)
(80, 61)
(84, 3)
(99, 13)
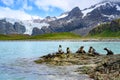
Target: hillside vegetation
(14, 37)
(64, 35)
(111, 29)
(49, 36)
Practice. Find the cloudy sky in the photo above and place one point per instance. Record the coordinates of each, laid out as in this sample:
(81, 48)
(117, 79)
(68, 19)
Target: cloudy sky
(25, 9)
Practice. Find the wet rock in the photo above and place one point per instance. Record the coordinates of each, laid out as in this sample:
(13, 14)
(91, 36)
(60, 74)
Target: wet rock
(105, 67)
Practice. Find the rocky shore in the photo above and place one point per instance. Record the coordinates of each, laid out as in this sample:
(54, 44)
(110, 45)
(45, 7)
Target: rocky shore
(98, 67)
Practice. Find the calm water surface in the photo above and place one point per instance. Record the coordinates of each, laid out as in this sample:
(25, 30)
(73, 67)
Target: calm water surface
(16, 59)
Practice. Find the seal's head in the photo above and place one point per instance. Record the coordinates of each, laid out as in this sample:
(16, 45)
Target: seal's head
(91, 47)
(60, 46)
(105, 49)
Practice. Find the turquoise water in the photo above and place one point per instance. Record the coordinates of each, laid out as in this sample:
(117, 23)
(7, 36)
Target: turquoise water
(16, 58)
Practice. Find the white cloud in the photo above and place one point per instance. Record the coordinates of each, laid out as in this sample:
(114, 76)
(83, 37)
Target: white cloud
(16, 14)
(8, 2)
(26, 6)
(47, 5)
(64, 4)
(23, 3)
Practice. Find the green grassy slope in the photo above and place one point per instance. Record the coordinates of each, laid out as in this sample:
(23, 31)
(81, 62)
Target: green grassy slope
(64, 35)
(50, 36)
(14, 37)
(111, 29)
(105, 34)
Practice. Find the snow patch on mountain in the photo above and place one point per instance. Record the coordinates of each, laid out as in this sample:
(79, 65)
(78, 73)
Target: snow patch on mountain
(63, 15)
(118, 8)
(85, 12)
(109, 4)
(88, 10)
(11, 20)
(69, 21)
(109, 16)
(48, 19)
(29, 25)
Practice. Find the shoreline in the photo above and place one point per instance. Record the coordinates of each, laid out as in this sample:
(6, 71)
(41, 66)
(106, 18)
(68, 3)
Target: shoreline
(71, 72)
(69, 40)
(96, 67)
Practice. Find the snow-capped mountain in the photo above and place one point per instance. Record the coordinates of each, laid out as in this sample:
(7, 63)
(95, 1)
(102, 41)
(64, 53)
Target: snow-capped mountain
(46, 19)
(63, 15)
(76, 20)
(28, 24)
(82, 21)
(108, 9)
(34, 22)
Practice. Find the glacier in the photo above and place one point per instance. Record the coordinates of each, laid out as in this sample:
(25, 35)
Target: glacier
(29, 24)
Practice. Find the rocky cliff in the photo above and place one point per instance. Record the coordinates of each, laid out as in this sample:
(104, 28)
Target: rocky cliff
(9, 28)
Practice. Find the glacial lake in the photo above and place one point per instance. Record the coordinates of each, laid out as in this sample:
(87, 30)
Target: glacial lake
(16, 59)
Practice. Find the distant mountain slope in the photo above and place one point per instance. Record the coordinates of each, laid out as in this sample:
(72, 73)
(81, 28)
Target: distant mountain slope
(29, 24)
(9, 28)
(111, 29)
(82, 21)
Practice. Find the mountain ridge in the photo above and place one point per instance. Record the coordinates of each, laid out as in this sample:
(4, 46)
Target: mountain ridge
(76, 21)
(100, 13)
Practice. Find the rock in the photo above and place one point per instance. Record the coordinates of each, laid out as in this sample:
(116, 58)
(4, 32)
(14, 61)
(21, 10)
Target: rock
(109, 69)
(20, 29)
(2, 27)
(37, 31)
(75, 12)
(6, 28)
(98, 67)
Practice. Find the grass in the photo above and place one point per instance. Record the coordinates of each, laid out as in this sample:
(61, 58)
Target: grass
(105, 34)
(50, 36)
(14, 37)
(107, 30)
(62, 36)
